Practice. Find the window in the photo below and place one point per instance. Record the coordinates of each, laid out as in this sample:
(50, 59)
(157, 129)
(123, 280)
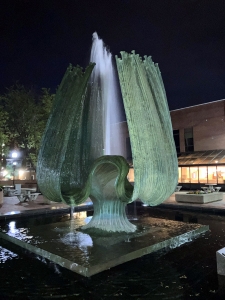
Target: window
(221, 174)
(188, 139)
(194, 174)
(203, 174)
(176, 137)
(185, 175)
(212, 175)
(179, 174)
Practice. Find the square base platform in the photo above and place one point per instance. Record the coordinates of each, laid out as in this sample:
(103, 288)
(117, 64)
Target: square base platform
(199, 198)
(63, 243)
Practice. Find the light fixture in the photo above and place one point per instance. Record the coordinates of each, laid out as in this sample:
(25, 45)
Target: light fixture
(14, 154)
(4, 173)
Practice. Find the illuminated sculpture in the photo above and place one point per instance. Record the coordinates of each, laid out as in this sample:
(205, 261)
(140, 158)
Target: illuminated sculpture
(71, 167)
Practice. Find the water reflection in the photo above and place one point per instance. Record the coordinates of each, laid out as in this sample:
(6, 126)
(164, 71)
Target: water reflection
(12, 227)
(80, 215)
(6, 255)
(20, 233)
(77, 240)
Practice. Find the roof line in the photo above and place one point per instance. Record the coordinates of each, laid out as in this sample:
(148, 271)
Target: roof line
(197, 105)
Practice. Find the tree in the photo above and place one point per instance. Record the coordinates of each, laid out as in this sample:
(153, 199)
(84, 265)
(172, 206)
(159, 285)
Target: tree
(3, 136)
(25, 115)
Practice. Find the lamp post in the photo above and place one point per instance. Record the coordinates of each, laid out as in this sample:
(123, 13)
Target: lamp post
(14, 163)
(14, 169)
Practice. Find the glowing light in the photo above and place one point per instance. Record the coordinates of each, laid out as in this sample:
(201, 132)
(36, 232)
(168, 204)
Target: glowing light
(12, 227)
(14, 155)
(4, 173)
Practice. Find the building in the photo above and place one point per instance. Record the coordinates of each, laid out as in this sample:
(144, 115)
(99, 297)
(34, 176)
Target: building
(199, 134)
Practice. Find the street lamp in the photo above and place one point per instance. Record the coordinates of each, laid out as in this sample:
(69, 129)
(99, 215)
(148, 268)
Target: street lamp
(14, 154)
(14, 163)
(14, 168)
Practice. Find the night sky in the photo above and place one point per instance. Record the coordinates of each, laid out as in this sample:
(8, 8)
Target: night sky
(38, 40)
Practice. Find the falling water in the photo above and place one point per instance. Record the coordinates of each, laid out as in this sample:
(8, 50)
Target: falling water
(71, 212)
(105, 77)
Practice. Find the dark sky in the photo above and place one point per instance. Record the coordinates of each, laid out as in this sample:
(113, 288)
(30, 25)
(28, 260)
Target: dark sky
(38, 40)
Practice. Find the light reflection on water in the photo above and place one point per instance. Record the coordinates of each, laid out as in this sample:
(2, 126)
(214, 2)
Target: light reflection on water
(78, 242)
(22, 234)
(12, 227)
(6, 255)
(77, 239)
(81, 215)
(19, 233)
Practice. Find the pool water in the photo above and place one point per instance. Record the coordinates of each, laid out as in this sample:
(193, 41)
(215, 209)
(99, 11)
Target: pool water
(187, 272)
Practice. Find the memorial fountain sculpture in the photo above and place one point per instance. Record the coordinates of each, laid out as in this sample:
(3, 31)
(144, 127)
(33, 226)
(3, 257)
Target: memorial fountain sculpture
(73, 163)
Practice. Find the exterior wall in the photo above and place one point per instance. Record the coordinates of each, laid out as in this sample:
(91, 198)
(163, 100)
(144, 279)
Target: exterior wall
(181, 134)
(207, 121)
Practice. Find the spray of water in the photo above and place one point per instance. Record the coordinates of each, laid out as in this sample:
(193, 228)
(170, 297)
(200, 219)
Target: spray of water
(105, 77)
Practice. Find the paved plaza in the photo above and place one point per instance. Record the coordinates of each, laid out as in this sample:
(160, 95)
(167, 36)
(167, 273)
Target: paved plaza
(12, 206)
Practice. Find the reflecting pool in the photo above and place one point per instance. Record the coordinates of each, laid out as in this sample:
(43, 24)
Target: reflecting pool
(187, 272)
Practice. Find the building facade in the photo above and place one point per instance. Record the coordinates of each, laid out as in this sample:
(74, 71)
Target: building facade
(199, 135)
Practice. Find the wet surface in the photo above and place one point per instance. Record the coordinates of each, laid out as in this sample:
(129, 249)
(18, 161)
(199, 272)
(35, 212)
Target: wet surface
(187, 272)
(64, 243)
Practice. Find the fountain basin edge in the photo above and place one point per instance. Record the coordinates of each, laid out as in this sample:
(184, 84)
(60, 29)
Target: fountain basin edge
(102, 253)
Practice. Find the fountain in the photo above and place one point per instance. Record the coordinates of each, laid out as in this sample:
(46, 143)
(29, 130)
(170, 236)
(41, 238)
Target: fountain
(79, 120)
(105, 89)
(76, 161)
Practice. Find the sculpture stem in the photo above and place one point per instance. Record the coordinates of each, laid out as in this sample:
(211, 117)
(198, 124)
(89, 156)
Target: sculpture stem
(110, 192)
(110, 215)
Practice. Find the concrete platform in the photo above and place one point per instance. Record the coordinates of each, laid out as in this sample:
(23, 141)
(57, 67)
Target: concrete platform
(217, 207)
(199, 198)
(88, 254)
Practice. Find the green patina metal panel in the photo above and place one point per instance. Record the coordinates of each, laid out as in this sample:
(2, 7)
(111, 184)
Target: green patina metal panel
(150, 129)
